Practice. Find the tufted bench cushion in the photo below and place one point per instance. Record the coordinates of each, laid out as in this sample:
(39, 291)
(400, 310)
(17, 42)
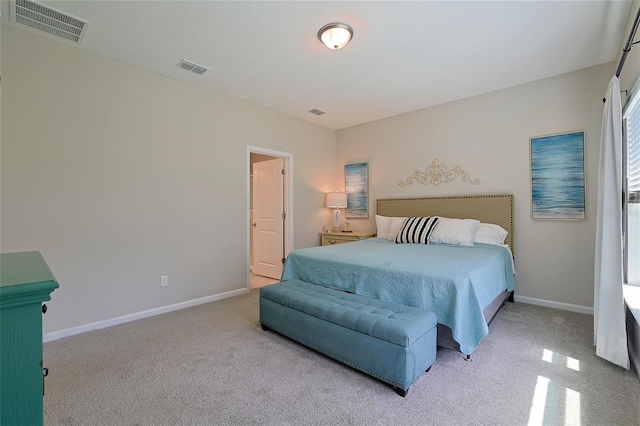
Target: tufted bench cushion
(392, 342)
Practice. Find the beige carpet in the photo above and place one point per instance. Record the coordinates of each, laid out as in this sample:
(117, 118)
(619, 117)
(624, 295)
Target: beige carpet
(213, 365)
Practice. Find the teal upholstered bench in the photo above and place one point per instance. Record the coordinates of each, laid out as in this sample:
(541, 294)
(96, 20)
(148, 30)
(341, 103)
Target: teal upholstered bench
(391, 342)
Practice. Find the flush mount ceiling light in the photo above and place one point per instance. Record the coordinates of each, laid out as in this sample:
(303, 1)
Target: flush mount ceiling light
(335, 35)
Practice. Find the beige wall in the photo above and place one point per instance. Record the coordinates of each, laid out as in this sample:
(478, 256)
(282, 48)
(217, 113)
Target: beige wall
(488, 136)
(118, 176)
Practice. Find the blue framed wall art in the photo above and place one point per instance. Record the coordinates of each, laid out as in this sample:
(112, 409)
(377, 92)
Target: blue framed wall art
(356, 179)
(558, 177)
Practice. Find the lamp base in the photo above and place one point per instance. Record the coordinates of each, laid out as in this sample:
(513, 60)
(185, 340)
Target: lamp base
(337, 216)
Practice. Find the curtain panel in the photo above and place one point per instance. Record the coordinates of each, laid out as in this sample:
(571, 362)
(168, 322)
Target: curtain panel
(610, 336)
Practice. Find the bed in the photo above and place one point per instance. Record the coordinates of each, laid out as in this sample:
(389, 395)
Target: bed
(465, 286)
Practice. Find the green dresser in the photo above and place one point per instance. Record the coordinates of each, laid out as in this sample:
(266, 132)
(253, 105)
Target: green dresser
(25, 283)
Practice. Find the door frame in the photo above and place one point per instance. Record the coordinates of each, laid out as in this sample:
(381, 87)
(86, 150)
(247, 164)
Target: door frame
(287, 200)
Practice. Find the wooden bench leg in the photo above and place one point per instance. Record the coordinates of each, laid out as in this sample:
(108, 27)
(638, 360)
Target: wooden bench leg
(401, 391)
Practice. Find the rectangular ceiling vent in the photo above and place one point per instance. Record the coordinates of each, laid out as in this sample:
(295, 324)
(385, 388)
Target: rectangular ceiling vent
(46, 19)
(316, 111)
(190, 66)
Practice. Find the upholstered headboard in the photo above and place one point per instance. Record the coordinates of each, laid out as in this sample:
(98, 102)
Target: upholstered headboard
(496, 209)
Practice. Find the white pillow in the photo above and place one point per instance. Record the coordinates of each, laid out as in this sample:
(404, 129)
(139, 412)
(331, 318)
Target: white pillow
(459, 232)
(382, 226)
(489, 233)
(388, 227)
(394, 227)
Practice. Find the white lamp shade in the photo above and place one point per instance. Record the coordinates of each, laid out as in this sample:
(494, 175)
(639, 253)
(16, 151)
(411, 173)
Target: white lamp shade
(337, 200)
(335, 35)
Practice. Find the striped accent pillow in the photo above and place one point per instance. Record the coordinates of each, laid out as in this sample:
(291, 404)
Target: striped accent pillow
(416, 230)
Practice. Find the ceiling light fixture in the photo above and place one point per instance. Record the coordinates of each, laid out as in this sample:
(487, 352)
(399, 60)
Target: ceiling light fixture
(335, 35)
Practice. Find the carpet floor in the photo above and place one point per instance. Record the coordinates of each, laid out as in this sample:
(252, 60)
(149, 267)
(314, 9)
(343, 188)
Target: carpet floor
(213, 365)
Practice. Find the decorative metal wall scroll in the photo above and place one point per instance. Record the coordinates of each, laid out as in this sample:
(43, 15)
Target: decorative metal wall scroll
(438, 173)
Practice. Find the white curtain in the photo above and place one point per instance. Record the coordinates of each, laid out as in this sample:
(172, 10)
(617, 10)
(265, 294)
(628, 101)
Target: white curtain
(610, 336)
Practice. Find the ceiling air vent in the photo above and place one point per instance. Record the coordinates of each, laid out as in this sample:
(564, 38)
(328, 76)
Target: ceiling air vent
(316, 111)
(48, 20)
(190, 66)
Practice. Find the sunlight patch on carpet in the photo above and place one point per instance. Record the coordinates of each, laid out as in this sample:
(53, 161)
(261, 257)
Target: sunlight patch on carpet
(536, 416)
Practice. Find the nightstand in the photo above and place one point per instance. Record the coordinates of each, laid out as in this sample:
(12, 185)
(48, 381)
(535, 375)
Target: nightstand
(330, 238)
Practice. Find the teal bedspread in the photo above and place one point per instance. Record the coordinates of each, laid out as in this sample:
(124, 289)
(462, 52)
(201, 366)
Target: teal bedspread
(455, 282)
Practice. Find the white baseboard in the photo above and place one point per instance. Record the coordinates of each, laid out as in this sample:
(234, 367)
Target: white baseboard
(555, 305)
(55, 335)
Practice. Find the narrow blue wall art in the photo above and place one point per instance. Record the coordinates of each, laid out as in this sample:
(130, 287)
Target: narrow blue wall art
(357, 188)
(558, 177)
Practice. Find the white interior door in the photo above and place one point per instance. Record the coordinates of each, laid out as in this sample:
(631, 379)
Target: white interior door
(268, 218)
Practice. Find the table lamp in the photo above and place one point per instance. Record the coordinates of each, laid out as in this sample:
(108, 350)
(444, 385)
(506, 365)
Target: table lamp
(337, 200)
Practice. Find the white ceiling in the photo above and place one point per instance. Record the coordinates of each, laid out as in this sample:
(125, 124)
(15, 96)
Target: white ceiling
(404, 55)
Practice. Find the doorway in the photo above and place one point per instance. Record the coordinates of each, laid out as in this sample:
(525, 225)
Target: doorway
(270, 225)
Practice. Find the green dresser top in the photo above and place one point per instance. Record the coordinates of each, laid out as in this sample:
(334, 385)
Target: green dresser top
(25, 277)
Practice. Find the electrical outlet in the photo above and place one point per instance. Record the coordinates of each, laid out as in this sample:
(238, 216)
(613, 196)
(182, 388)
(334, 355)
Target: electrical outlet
(164, 281)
